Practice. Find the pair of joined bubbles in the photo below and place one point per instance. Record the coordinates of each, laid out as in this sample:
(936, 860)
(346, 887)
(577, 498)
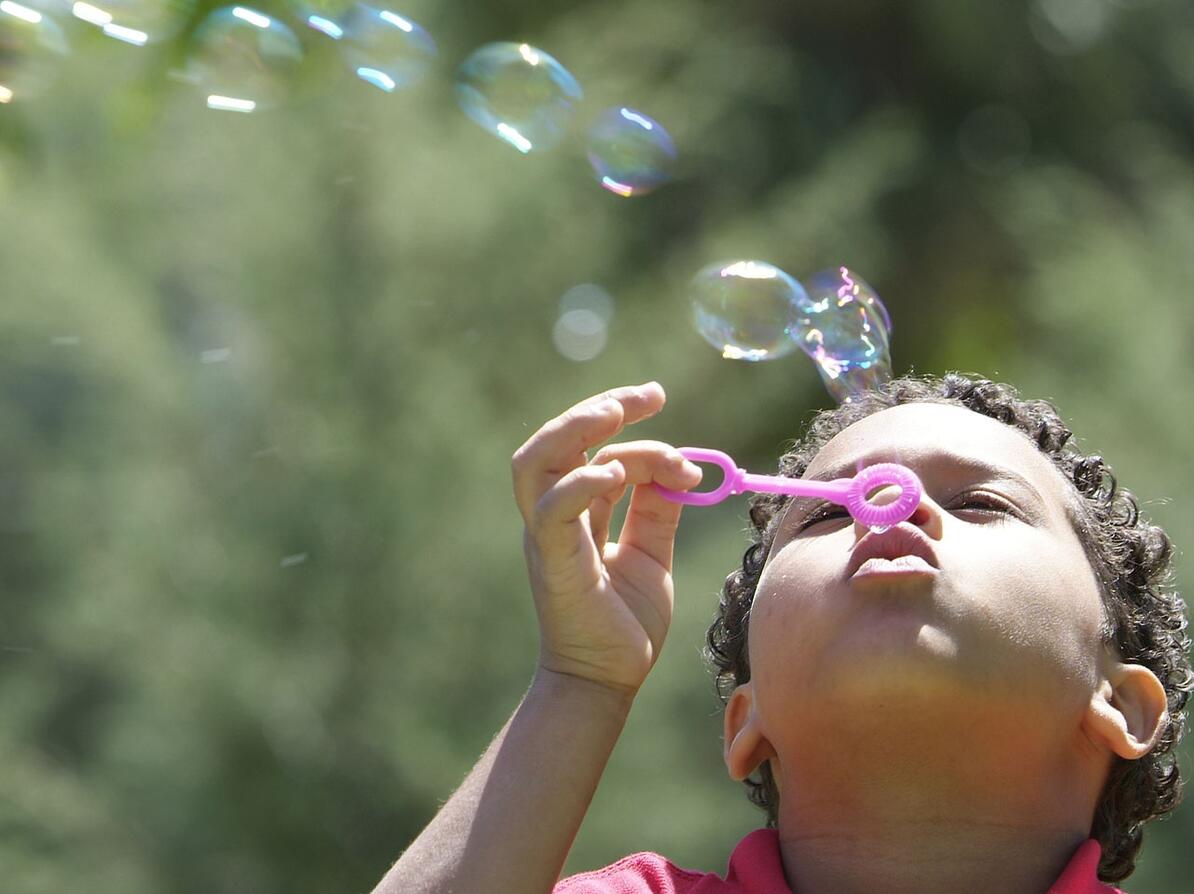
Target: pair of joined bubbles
(242, 60)
(753, 310)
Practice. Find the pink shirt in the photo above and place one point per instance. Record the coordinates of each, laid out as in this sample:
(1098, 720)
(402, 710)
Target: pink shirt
(756, 868)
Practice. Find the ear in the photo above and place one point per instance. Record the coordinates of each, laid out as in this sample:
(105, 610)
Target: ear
(745, 745)
(1128, 712)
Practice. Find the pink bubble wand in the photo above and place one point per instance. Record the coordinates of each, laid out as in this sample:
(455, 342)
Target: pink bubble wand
(849, 492)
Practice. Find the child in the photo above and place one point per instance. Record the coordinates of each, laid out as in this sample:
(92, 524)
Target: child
(994, 713)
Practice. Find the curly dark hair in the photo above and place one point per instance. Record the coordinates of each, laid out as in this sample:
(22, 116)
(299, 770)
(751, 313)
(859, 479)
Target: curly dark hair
(1144, 613)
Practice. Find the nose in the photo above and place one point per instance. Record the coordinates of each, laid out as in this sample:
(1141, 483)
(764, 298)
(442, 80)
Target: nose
(927, 515)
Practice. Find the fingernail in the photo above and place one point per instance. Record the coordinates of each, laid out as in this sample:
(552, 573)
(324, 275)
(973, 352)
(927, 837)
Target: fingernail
(691, 467)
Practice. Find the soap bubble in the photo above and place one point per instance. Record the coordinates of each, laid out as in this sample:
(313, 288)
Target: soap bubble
(747, 309)
(846, 330)
(31, 49)
(382, 48)
(631, 153)
(135, 22)
(518, 93)
(243, 60)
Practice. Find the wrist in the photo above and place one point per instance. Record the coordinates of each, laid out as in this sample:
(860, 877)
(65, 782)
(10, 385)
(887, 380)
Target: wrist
(611, 701)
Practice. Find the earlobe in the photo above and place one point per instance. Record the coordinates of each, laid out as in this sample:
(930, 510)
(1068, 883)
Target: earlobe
(1129, 711)
(745, 745)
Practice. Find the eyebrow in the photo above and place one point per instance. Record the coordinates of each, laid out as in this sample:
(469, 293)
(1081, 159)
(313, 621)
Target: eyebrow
(972, 466)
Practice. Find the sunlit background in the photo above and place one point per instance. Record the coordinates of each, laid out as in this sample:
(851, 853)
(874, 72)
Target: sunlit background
(284, 287)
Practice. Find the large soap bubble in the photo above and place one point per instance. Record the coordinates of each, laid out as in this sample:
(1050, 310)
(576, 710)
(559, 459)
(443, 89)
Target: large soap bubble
(630, 152)
(844, 327)
(747, 309)
(382, 48)
(244, 60)
(518, 93)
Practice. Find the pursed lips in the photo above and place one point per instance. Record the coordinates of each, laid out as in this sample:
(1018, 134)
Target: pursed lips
(902, 540)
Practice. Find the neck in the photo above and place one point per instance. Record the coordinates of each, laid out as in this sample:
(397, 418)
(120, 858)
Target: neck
(980, 811)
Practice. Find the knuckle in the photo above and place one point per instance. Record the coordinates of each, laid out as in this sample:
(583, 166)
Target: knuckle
(658, 517)
(520, 460)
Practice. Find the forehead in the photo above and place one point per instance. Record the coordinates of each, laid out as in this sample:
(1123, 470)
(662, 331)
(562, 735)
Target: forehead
(918, 435)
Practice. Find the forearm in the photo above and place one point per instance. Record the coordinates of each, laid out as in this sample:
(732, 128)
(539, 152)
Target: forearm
(510, 825)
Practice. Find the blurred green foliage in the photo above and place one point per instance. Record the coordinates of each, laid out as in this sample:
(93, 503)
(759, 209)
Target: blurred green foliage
(261, 376)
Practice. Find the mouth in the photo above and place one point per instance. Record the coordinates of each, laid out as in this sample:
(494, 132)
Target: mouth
(903, 549)
(900, 566)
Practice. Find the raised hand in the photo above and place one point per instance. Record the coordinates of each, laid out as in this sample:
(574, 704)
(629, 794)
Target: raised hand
(604, 608)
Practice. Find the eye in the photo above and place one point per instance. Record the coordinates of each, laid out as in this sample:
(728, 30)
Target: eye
(824, 513)
(986, 504)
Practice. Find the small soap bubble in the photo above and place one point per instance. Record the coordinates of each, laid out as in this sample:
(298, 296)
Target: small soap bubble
(243, 60)
(845, 329)
(382, 48)
(879, 529)
(518, 93)
(747, 309)
(135, 22)
(580, 334)
(630, 152)
(32, 48)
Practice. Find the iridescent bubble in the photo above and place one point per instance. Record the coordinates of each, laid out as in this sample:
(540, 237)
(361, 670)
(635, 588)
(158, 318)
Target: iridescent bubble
(32, 47)
(518, 93)
(382, 48)
(630, 152)
(747, 309)
(844, 327)
(244, 60)
(135, 22)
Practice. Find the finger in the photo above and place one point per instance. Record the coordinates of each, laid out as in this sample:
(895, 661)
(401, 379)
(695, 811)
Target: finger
(650, 526)
(557, 529)
(601, 510)
(651, 520)
(652, 461)
(644, 461)
(560, 445)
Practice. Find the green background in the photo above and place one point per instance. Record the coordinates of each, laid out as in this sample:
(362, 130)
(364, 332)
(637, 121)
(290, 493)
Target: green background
(261, 376)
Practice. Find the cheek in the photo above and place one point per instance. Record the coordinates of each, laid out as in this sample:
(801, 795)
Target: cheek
(1040, 595)
(792, 612)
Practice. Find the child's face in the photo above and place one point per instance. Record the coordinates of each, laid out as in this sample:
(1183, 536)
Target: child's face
(1010, 621)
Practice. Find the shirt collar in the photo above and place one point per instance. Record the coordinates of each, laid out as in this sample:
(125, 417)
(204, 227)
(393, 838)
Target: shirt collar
(756, 865)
